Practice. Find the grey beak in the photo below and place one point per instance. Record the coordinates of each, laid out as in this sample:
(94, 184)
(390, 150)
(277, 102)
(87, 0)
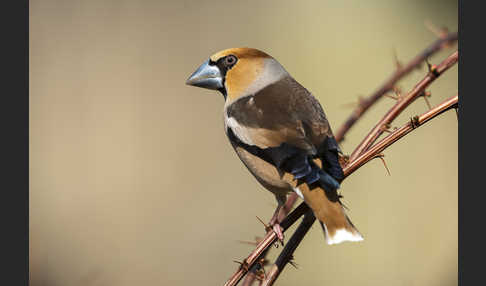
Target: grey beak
(206, 76)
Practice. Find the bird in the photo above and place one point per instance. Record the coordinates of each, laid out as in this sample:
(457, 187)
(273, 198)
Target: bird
(281, 134)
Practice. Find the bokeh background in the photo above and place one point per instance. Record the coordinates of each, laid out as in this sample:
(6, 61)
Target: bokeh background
(133, 182)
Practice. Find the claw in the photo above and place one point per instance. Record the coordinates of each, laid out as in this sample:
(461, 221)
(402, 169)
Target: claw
(275, 227)
(279, 232)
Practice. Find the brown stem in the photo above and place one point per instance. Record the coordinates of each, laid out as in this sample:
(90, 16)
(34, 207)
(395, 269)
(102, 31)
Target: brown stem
(249, 278)
(267, 241)
(287, 253)
(399, 133)
(284, 211)
(418, 90)
(388, 85)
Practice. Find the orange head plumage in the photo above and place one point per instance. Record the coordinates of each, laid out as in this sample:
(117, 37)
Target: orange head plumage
(237, 72)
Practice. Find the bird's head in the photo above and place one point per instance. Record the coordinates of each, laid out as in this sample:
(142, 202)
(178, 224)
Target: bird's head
(237, 72)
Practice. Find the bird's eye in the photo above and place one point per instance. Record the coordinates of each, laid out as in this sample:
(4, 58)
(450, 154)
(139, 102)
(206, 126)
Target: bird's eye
(230, 60)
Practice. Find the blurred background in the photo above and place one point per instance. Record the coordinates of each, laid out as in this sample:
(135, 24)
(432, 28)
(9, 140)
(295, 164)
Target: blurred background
(133, 182)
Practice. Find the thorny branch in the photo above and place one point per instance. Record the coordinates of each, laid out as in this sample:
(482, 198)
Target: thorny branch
(366, 153)
(414, 123)
(389, 84)
(402, 103)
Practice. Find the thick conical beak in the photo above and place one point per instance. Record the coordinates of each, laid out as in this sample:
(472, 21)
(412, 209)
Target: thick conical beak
(206, 76)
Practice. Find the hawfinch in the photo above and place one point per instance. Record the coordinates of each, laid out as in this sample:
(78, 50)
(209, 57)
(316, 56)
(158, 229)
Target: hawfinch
(280, 132)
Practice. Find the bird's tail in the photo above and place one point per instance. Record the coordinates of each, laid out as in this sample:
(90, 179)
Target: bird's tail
(317, 182)
(331, 214)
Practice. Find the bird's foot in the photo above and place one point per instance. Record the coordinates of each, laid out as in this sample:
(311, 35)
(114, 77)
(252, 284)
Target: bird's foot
(279, 232)
(275, 227)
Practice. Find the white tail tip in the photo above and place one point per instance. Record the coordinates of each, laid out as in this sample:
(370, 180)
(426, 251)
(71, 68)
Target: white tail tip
(341, 235)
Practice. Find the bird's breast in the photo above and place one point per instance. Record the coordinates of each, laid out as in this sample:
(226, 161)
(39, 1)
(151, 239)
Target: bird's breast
(265, 173)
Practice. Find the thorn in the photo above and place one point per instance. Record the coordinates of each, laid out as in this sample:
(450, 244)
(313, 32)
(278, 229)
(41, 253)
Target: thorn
(428, 64)
(397, 90)
(381, 156)
(438, 32)
(243, 264)
(354, 103)
(247, 242)
(267, 227)
(428, 103)
(426, 94)
(392, 96)
(386, 128)
(398, 93)
(414, 122)
(398, 64)
(432, 68)
(292, 262)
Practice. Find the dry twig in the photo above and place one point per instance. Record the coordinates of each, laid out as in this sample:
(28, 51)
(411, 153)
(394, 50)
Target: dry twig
(389, 84)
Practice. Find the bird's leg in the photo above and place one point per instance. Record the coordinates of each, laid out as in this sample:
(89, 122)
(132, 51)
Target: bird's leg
(274, 223)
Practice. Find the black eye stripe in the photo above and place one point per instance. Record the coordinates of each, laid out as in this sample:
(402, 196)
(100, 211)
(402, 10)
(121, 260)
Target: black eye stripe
(229, 61)
(224, 66)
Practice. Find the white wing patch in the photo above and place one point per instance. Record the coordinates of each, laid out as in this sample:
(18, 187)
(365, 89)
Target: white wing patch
(298, 192)
(240, 131)
(272, 72)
